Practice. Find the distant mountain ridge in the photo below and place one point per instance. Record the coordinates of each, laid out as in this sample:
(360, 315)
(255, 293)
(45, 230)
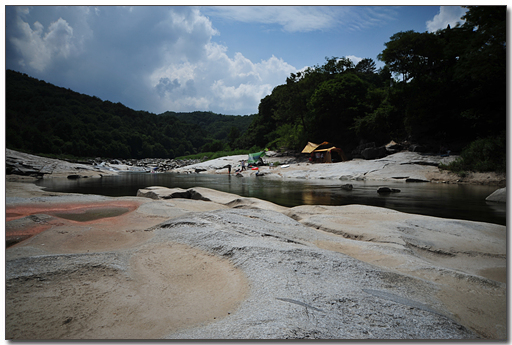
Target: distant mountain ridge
(44, 118)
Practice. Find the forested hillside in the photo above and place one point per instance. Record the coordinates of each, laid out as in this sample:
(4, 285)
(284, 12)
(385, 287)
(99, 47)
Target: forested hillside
(221, 128)
(43, 118)
(448, 90)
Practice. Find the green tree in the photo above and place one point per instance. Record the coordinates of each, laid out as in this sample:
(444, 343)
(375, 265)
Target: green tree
(335, 105)
(481, 68)
(367, 66)
(412, 54)
(234, 134)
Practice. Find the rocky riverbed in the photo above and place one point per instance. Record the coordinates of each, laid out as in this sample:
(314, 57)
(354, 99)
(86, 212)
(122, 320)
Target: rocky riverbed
(24, 164)
(402, 166)
(204, 264)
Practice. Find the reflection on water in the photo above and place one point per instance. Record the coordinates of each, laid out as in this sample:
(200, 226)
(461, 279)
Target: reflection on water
(440, 200)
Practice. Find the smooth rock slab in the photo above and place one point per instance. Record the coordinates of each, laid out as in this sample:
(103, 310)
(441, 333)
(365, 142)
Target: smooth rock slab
(301, 291)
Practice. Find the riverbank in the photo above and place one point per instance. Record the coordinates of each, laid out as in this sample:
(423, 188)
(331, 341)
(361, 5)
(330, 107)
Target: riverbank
(398, 167)
(244, 268)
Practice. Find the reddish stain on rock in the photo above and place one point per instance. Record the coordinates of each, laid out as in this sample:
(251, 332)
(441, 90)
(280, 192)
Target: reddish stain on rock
(20, 211)
(73, 213)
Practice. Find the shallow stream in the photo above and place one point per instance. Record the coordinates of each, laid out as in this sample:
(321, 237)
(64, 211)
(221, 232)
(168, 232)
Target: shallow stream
(433, 199)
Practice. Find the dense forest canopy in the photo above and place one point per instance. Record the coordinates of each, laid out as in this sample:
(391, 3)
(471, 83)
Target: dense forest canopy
(444, 89)
(223, 129)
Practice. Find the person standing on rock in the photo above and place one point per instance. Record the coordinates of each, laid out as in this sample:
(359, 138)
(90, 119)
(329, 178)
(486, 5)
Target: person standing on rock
(243, 165)
(229, 169)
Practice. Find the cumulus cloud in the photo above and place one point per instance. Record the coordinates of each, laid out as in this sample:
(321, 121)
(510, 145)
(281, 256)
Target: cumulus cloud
(448, 15)
(148, 58)
(224, 83)
(39, 47)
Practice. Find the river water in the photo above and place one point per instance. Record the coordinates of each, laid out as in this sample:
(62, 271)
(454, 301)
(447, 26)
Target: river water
(439, 200)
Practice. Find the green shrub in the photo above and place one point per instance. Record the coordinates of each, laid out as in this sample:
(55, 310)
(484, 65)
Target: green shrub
(482, 155)
(218, 154)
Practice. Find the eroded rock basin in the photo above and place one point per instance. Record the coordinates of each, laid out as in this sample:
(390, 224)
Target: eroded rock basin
(89, 214)
(103, 298)
(88, 270)
(26, 220)
(81, 212)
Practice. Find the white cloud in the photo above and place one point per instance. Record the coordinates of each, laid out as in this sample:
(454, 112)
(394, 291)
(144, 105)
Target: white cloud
(308, 18)
(354, 59)
(366, 17)
(39, 49)
(291, 18)
(148, 58)
(222, 84)
(448, 15)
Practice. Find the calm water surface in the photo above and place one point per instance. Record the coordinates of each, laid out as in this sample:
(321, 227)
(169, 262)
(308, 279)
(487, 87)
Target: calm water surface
(440, 200)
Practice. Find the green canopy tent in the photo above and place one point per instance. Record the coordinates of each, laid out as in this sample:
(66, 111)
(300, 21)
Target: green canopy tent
(254, 158)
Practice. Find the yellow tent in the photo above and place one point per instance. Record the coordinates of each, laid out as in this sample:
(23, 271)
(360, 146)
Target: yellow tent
(322, 152)
(310, 147)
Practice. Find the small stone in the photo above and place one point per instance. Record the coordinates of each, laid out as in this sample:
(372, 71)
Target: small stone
(347, 186)
(384, 190)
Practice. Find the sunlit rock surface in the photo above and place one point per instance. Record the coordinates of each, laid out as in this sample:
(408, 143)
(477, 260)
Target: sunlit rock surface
(266, 271)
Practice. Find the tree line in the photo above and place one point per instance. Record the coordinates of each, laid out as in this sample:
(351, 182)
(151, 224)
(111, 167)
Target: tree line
(442, 89)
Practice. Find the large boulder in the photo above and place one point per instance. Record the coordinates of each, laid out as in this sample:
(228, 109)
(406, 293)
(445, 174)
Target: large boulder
(158, 193)
(374, 152)
(499, 195)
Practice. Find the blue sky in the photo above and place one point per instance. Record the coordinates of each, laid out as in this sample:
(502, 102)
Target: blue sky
(223, 59)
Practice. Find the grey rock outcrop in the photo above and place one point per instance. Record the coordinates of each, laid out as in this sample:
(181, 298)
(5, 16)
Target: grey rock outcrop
(499, 195)
(19, 163)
